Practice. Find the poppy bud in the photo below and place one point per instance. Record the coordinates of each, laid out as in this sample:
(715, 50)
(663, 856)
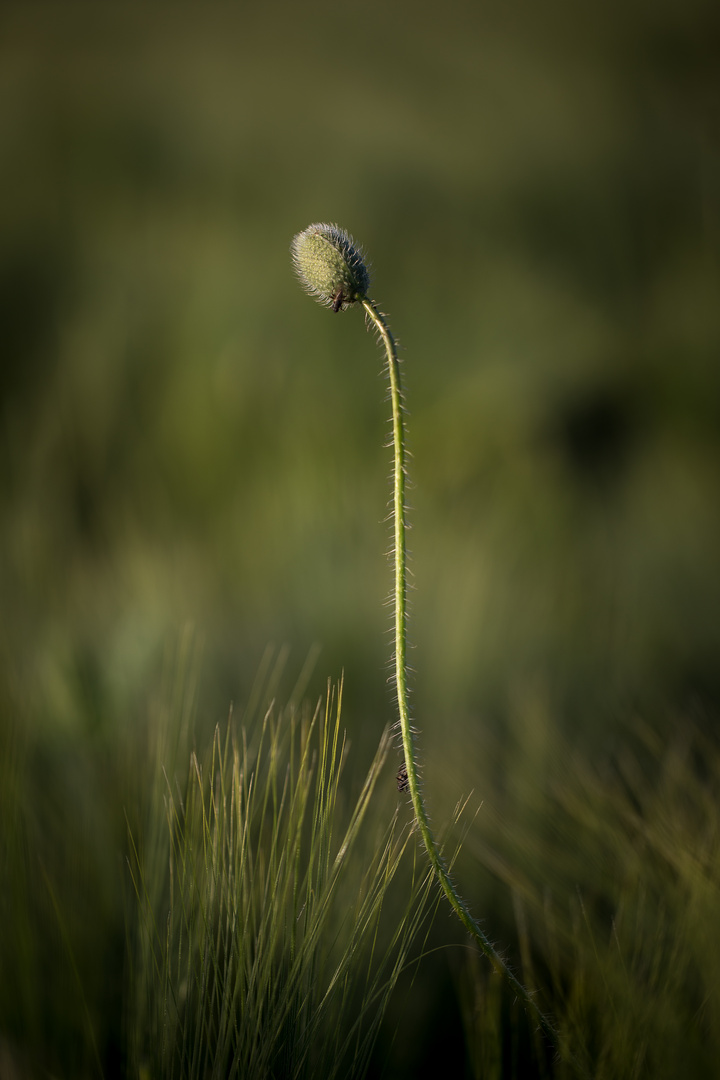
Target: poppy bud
(330, 265)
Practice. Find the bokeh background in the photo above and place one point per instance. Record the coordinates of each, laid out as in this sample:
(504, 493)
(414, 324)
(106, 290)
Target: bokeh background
(190, 446)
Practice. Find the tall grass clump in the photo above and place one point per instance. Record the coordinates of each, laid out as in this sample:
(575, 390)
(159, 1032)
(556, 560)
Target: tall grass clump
(259, 882)
(332, 269)
(641, 991)
(616, 883)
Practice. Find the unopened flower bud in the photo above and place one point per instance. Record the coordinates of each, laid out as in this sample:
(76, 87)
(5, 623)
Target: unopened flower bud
(330, 265)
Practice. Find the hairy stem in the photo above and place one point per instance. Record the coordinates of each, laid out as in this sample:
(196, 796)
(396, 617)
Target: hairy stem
(400, 559)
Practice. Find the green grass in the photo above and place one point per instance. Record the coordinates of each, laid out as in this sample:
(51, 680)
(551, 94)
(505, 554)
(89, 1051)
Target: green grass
(269, 902)
(263, 911)
(258, 939)
(613, 870)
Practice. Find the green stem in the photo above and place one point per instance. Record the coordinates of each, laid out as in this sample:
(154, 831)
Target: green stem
(400, 555)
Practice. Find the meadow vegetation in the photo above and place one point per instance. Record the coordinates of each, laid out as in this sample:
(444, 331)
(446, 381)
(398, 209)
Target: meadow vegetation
(193, 489)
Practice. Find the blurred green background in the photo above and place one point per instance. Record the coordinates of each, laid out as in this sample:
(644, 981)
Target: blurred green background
(187, 440)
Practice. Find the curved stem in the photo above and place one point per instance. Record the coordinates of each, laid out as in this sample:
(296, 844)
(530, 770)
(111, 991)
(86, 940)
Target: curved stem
(400, 557)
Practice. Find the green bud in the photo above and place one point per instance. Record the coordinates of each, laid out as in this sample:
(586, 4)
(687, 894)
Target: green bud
(330, 265)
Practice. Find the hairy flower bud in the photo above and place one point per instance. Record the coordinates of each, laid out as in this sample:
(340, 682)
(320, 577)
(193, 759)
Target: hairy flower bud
(330, 265)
